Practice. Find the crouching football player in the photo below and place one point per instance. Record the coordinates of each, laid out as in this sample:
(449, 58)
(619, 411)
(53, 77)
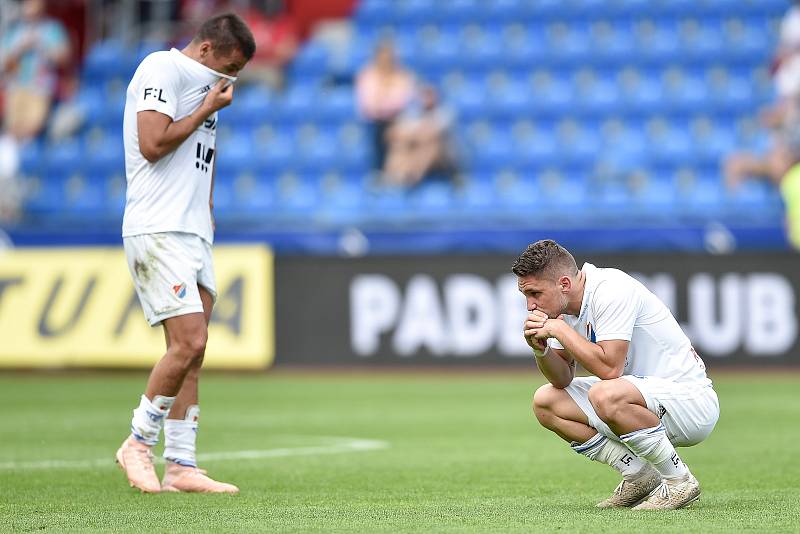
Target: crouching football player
(649, 392)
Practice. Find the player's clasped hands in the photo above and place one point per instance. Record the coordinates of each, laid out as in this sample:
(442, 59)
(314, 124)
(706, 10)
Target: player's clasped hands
(533, 331)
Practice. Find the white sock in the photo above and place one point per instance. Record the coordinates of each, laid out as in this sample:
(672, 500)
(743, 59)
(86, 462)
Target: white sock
(601, 449)
(149, 417)
(180, 436)
(653, 445)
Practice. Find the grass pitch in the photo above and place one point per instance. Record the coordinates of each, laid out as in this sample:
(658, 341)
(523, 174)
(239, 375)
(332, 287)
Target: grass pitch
(436, 452)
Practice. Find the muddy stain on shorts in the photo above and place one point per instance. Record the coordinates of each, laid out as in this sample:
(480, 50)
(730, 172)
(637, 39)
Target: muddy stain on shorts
(144, 269)
(141, 270)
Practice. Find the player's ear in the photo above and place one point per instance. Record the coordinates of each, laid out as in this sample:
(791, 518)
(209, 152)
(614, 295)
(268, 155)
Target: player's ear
(564, 283)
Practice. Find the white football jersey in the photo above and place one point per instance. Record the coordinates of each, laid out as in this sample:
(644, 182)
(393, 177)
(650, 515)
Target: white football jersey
(617, 306)
(172, 194)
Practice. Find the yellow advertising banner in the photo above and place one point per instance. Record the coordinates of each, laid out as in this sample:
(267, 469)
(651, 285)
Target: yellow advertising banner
(62, 307)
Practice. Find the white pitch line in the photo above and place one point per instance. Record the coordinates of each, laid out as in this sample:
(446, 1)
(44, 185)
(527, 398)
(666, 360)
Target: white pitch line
(333, 446)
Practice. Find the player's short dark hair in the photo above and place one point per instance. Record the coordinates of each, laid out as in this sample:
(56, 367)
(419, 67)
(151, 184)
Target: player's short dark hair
(228, 32)
(546, 259)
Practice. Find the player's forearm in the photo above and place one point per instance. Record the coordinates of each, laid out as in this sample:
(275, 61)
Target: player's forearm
(157, 145)
(555, 369)
(590, 355)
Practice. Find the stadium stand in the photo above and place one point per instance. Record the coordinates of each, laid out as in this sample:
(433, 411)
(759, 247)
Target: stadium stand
(610, 111)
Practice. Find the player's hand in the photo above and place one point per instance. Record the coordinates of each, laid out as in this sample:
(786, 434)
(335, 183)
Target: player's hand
(533, 324)
(219, 96)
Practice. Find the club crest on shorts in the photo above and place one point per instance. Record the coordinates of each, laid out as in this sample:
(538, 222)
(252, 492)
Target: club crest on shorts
(179, 290)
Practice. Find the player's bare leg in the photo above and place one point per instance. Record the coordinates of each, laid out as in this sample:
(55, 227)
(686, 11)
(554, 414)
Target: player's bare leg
(186, 342)
(622, 407)
(557, 411)
(180, 429)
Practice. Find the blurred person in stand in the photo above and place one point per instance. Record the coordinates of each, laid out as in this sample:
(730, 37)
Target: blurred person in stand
(787, 182)
(781, 117)
(31, 52)
(383, 90)
(419, 141)
(781, 164)
(277, 38)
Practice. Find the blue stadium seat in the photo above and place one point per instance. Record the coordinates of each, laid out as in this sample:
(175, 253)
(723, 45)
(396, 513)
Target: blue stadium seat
(62, 158)
(609, 44)
(469, 100)
(235, 155)
(668, 144)
(684, 93)
(536, 148)
(341, 202)
(374, 12)
(597, 96)
(31, 155)
(252, 196)
(273, 153)
(577, 146)
(523, 47)
(253, 106)
(481, 47)
(432, 200)
(114, 187)
(552, 96)
(310, 63)
(386, 204)
(566, 46)
(84, 196)
(104, 156)
(656, 44)
(336, 105)
(45, 194)
(109, 59)
(474, 199)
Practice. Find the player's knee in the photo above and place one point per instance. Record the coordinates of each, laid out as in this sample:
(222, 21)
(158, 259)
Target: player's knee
(191, 348)
(606, 399)
(543, 400)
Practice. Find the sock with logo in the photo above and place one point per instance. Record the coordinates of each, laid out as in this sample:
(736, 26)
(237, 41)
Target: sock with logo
(180, 436)
(148, 418)
(604, 450)
(653, 445)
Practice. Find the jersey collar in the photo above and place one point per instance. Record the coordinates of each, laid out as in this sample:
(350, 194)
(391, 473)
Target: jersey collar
(184, 57)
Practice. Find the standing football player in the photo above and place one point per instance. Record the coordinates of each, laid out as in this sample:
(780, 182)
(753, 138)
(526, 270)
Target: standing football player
(649, 392)
(170, 139)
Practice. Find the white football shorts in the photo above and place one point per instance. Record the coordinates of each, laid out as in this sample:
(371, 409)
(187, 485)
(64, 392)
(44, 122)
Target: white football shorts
(688, 411)
(166, 269)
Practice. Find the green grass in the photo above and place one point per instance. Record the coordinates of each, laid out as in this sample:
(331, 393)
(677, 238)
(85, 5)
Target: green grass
(465, 455)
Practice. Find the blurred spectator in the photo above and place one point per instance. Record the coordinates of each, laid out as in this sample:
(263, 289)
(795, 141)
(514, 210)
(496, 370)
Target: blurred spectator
(276, 38)
(31, 53)
(419, 141)
(383, 90)
(790, 191)
(789, 185)
(782, 117)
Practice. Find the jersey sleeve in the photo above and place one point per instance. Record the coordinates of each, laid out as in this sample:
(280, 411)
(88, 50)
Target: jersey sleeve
(615, 309)
(157, 87)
